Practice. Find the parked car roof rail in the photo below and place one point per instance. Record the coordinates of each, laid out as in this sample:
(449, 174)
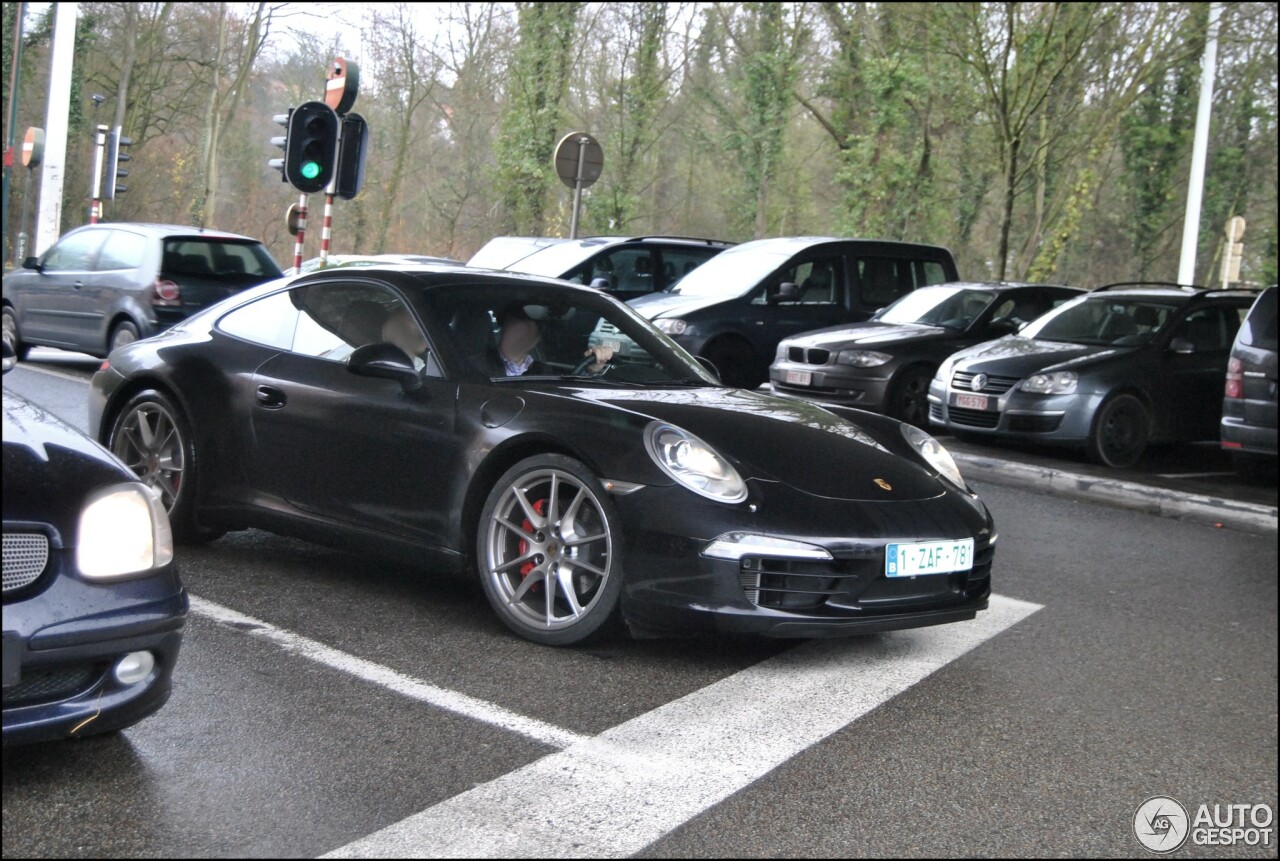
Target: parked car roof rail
(1120, 285)
(687, 238)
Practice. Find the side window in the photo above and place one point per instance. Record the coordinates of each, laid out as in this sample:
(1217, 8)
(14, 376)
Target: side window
(819, 282)
(1028, 304)
(122, 250)
(628, 270)
(1210, 329)
(269, 321)
(75, 252)
(679, 262)
(931, 272)
(881, 280)
(338, 318)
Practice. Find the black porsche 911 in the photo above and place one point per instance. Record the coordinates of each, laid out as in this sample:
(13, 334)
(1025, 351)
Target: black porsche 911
(455, 416)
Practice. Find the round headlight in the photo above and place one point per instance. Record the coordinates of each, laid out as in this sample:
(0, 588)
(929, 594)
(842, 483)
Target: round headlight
(693, 463)
(672, 326)
(934, 454)
(123, 530)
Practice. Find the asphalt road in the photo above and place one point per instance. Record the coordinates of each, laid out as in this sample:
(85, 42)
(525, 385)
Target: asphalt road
(331, 703)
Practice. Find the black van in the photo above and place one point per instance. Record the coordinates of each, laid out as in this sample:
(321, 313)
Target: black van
(735, 308)
(1249, 403)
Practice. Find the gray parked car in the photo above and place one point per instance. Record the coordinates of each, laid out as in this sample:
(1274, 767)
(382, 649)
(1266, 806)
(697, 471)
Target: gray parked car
(104, 285)
(1249, 402)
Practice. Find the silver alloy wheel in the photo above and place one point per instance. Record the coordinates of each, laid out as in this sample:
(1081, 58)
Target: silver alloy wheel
(123, 334)
(548, 551)
(148, 442)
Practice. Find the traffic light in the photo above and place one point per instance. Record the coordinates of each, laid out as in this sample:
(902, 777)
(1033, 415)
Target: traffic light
(311, 148)
(116, 143)
(281, 141)
(351, 151)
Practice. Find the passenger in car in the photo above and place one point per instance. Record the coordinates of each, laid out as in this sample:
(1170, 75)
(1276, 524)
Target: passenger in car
(402, 330)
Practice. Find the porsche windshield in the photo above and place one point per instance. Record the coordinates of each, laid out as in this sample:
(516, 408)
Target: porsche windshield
(1120, 321)
(514, 333)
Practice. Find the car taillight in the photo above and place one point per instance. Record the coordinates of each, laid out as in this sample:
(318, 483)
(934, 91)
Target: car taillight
(165, 293)
(105, 364)
(1235, 379)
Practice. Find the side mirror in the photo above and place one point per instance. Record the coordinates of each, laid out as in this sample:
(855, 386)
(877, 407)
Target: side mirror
(600, 283)
(787, 291)
(1182, 346)
(385, 361)
(32, 263)
(10, 357)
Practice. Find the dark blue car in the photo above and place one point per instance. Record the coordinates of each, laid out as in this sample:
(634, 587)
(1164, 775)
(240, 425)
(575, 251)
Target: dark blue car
(93, 607)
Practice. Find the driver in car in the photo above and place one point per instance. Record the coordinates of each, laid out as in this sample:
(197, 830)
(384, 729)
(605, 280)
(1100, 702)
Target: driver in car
(520, 334)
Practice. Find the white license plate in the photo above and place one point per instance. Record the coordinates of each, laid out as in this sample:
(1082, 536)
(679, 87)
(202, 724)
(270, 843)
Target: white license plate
(616, 346)
(799, 378)
(930, 557)
(972, 402)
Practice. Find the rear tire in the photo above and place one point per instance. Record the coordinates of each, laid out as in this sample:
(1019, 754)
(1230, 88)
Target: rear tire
(153, 438)
(11, 336)
(1120, 432)
(123, 333)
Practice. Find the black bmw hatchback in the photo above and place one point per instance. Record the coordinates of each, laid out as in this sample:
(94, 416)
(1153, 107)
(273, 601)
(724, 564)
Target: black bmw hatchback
(93, 607)
(456, 417)
(885, 364)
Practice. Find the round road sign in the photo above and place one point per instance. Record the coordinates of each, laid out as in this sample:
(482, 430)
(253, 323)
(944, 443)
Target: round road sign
(342, 85)
(578, 155)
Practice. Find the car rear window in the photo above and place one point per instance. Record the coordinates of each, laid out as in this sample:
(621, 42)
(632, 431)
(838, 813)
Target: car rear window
(1259, 329)
(218, 258)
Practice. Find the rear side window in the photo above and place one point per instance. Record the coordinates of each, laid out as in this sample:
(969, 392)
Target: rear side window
(122, 250)
(269, 321)
(212, 258)
(1259, 329)
(679, 262)
(932, 272)
(882, 280)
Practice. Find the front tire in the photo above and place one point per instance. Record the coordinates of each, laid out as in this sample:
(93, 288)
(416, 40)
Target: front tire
(548, 551)
(153, 438)
(1120, 432)
(909, 401)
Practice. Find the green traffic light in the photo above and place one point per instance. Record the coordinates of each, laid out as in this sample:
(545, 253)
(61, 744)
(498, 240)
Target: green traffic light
(310, 169)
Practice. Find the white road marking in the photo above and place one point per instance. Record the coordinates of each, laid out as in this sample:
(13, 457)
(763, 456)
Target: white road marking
(614, 794)
(51, 372)
(452, 701)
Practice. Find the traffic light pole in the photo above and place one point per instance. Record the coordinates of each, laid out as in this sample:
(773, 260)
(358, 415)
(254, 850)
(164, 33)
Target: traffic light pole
(302, 232)
(95, 192)
(326, 228)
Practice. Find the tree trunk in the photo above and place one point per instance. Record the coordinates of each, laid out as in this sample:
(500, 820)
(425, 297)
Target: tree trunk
(1006, 217)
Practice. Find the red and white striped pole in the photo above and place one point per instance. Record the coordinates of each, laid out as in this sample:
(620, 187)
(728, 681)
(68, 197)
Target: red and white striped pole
(326, 230)
(302, 232)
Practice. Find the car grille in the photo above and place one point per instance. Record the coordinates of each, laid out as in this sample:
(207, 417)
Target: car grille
(790, 584)
(25, 556)
(974, 418)
(963, 381)
(49, 684)
(812, 356)
(935, 412)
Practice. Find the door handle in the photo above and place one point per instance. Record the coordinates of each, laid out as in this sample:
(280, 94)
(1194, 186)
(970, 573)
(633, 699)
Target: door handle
(78, 285)
(270, 397)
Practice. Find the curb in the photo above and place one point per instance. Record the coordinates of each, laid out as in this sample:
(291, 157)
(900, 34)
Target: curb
(1212, 510)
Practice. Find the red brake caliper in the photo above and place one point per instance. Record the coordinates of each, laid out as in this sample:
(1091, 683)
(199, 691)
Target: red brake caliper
(523, 548)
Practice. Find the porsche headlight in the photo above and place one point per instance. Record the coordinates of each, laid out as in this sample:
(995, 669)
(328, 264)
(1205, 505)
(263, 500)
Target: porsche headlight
(934, 454)
(1060, 383)
(862, 358)
(672, 325)
(123, 530)
(693, 463)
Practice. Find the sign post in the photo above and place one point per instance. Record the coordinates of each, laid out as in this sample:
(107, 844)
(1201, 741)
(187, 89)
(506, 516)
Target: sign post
(1234, 250)
(579, 161)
